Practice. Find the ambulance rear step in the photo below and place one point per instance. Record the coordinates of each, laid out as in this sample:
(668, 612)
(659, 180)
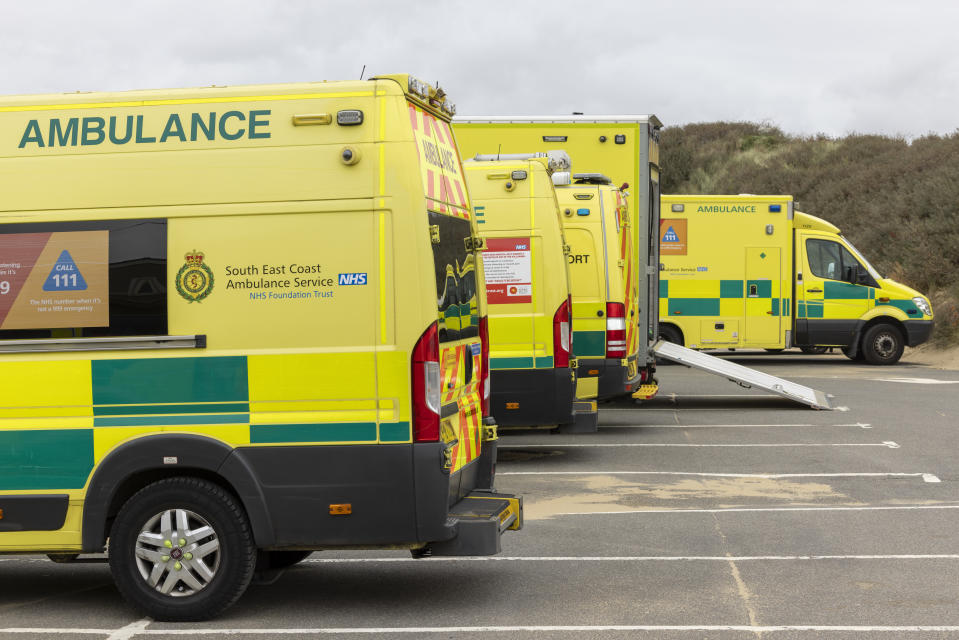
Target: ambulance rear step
(741, 375)
(481, 517)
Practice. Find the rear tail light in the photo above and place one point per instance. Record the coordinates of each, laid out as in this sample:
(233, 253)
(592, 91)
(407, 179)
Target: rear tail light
(562, 334)
(484, 364)
(615, 330)
(426, 386)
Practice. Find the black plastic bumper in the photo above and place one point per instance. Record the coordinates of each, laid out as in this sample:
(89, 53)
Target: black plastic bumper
(613, 376)
(918, 331)
(532, 397)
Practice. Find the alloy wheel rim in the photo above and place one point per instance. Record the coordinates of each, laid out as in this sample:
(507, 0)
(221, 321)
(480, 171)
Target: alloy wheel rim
(177, 552)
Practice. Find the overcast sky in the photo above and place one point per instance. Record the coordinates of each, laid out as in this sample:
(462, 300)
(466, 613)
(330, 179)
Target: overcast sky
(811, 66)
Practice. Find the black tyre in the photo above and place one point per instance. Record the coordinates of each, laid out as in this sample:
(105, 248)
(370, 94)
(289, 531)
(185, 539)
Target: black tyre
(181, 549)
(882, 344)
(669, 333)
(814, 350)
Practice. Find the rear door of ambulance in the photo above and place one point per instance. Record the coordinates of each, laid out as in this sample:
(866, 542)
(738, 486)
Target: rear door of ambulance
(458, 296)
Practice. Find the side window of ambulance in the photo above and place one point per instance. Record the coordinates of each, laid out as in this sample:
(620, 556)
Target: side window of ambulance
(448, 256)
(99, 278)
(824, 258)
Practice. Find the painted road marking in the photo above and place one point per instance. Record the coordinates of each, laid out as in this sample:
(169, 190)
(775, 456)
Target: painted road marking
(499, 629)
(861, 425)
(917, 380)
(888, 444)
(927, 477)
(918, 507)
(900, 556)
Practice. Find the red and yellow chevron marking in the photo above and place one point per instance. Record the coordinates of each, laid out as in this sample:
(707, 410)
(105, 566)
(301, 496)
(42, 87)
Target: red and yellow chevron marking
(467, 423)
(440, 165)
(626, 254)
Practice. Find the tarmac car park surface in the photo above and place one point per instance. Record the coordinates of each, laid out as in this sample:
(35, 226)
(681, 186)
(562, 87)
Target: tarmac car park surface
(709, 512)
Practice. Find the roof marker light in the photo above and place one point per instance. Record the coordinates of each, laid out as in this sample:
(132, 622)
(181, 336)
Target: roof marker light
(582, 212)
(775, 208)
(678, 208)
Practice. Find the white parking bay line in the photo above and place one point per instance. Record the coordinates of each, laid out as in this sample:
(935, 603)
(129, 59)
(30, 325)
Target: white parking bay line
(917, 507)
(725, 426)
(273, 631)
(563, 445)
(926, 477)
(901, 556)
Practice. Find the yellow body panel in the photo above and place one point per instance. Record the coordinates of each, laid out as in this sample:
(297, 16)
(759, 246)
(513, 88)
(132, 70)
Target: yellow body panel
(298, 248)
(735, 273)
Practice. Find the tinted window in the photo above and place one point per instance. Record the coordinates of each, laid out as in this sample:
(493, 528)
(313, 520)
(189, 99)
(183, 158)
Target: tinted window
(58, 285)
(455, 278)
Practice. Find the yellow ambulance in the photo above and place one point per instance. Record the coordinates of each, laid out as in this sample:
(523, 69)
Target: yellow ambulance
(752, 272)
(602, 265)
(625, 148)
(238, 324)
(527, 287)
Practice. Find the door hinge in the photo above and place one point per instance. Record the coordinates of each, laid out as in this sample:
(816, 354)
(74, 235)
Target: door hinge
(475, 243)
(490, 433)
(435, 233)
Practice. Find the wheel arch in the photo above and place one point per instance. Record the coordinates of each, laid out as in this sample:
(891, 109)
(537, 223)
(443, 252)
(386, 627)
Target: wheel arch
(872, 322)
(137, 463)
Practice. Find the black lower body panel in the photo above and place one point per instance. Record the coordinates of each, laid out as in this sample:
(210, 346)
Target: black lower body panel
(45, 512)
(532, 397)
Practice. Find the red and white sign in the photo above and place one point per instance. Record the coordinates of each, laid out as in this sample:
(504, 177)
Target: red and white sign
(508, 268)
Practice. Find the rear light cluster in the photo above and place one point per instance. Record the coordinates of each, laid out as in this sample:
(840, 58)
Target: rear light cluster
(562, 334)
(484, 364)
(615, 330)
(426, 386)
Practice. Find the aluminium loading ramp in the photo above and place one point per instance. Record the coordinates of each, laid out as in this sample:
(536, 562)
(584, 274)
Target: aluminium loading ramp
(741, 375)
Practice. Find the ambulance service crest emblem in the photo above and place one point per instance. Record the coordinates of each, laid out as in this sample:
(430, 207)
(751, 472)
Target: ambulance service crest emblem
(194, 280)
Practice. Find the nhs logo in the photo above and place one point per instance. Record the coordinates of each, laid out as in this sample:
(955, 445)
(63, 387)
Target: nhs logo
(352, 278)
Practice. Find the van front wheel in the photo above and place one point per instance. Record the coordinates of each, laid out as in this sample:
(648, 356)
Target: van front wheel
(181, 549)
(882, 344)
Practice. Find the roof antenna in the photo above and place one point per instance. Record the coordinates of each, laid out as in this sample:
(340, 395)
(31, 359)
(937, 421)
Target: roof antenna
(500, 148)
(363, 72)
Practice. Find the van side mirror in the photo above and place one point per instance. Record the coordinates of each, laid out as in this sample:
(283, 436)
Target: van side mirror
(862, 277)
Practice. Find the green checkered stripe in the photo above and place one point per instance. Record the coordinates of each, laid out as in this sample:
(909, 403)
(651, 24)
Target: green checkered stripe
(728, 289)
(161, 392)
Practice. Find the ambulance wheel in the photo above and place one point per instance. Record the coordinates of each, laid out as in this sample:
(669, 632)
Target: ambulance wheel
(181, 549)
(814, 350)
(775, 350)
(882, 344)
(669, 333)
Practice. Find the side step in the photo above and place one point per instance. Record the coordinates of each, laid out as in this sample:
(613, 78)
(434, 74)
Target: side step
(741, 375)
(481, 517)
(585, 418)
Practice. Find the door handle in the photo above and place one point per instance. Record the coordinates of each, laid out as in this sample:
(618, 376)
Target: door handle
(813, 290)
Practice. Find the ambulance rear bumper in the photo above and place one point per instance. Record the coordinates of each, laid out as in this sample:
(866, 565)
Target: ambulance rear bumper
(480, 519)
(613, 376)
(532, 397)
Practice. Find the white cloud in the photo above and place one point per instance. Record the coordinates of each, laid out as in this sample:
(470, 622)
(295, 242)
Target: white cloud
(810, 67)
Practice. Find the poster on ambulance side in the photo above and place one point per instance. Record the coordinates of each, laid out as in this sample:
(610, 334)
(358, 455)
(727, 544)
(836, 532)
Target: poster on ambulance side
(508, 268)
(54, 280)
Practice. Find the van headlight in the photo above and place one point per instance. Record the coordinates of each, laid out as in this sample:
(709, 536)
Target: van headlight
(923, 305)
